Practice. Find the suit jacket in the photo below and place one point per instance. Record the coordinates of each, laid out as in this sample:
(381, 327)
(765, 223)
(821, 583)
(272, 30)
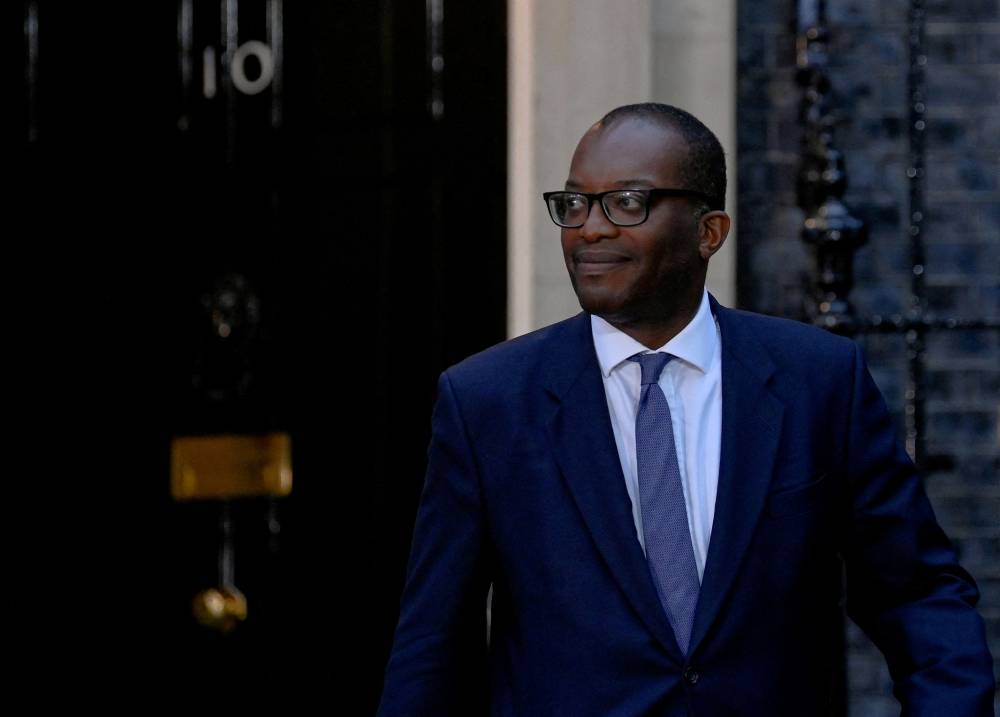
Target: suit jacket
(524, 491)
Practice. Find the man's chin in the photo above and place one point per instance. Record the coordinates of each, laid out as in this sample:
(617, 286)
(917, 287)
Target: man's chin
(600, 303)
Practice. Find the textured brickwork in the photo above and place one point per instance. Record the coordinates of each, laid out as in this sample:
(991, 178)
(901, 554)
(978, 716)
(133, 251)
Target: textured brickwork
(869, 63)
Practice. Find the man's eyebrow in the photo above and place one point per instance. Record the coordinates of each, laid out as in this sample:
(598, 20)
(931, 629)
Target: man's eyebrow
(624, 183)
(638, 183)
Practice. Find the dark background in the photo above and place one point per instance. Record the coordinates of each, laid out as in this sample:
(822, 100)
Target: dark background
(368, 237)
(869, 63)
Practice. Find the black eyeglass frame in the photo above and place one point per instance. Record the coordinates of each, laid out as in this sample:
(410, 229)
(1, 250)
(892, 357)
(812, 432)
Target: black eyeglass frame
(648, 193)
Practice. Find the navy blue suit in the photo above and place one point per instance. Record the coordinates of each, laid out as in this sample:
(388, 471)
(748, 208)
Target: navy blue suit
(524, 490)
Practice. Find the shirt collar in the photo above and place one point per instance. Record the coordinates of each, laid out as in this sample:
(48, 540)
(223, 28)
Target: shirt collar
(696, 343)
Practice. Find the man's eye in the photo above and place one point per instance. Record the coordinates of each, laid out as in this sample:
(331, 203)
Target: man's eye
(628, 201)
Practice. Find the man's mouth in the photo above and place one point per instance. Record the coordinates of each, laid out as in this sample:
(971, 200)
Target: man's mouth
(598, 261)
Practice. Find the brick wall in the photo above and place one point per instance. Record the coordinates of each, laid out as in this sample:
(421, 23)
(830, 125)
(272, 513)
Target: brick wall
(869, 63)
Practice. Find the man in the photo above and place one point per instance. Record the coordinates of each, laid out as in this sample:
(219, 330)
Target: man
(669, 540)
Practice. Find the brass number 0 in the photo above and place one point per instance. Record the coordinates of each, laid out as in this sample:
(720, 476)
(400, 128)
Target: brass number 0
(236, 69)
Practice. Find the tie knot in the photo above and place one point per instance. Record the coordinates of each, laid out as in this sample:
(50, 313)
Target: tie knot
(652, 365)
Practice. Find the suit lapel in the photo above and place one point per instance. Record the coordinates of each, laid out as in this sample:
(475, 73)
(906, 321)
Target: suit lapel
(751, 425)
(583, 444)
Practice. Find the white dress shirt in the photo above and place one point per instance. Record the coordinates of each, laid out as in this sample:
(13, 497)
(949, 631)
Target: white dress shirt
(692, 383)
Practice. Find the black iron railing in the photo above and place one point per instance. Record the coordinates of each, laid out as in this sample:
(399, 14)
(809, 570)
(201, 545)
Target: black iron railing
(834, 233)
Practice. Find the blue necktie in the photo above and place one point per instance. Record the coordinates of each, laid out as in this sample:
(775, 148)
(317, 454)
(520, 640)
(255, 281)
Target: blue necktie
(661, 499)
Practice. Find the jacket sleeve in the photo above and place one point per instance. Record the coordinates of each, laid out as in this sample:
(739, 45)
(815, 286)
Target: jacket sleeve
(905, 588)
(437, 666)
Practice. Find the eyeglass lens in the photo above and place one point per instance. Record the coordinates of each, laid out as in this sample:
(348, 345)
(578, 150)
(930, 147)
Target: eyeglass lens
(624, 208)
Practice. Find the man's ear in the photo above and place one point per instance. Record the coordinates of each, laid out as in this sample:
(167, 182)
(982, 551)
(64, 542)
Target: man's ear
(713, 228)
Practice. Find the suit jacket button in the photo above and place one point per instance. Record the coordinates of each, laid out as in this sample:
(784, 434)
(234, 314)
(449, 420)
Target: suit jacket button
(691, 675)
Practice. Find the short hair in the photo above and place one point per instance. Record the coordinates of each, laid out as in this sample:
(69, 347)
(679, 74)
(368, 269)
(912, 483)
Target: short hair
(704, 169)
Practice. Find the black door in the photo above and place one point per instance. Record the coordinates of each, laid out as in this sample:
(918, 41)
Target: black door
(245, 217)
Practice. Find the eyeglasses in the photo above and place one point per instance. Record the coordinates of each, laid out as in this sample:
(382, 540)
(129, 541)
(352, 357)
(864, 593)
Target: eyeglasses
(623, 207)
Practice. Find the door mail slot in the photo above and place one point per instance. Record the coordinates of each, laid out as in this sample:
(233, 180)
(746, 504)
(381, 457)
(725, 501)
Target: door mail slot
(230, 466)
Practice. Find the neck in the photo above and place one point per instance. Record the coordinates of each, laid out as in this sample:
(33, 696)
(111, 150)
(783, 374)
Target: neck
(654, 332)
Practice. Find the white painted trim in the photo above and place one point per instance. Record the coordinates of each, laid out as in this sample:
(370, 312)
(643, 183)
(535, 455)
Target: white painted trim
(520, 167)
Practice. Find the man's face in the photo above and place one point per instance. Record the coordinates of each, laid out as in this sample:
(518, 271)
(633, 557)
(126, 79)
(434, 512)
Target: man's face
(641, 273)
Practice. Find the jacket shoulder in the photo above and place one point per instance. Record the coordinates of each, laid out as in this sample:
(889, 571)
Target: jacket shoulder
(521, 356)
(787, 340)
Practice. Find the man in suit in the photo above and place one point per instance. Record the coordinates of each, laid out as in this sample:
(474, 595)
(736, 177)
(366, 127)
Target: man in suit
(558, 465)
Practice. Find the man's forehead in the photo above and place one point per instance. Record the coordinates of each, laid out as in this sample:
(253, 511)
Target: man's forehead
(634, 150)
(635, 130)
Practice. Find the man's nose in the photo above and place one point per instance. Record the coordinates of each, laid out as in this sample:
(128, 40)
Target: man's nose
(597, 226)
